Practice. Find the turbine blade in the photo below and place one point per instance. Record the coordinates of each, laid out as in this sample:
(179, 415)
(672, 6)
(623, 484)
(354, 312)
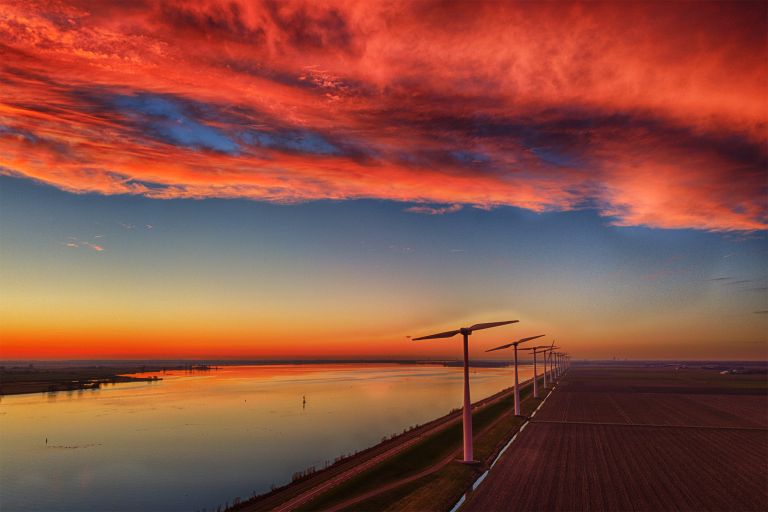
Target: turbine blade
(500, 347)
(446, 334)
(529, 338)
(488, 325)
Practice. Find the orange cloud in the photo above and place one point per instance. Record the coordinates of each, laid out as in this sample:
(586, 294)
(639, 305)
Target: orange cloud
(653, 114)
(74, 243)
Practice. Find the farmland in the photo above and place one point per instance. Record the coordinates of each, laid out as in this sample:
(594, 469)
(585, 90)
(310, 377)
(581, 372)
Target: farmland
(639, 439)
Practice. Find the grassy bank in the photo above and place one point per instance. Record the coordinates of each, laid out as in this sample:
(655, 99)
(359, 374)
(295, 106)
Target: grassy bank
(440, 490)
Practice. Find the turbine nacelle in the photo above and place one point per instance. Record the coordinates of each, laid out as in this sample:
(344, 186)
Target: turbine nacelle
(536, 348)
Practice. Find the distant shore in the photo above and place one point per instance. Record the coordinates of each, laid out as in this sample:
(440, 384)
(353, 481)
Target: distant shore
(17, 380)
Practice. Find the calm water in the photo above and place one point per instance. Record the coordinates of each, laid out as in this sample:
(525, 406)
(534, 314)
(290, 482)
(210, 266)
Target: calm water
(194, 441)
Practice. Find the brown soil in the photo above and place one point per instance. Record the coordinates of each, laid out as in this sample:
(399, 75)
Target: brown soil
(633, 440)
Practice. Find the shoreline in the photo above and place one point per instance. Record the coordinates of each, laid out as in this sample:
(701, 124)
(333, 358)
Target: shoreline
(31, 380)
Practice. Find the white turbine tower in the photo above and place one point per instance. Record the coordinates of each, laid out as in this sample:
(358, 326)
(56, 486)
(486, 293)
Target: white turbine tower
(545, 363)
(467, 413)
(548, 356)
(536, 351)
(517, 387)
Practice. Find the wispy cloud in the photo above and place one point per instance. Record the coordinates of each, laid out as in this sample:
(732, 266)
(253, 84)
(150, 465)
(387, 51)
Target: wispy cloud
(400, 249)
(761, 312)
(75, 243)
(670, 266)
(732, 281)
(429, 210)
(742, 281)
(659, 274)
(95, 247)
(304, 100)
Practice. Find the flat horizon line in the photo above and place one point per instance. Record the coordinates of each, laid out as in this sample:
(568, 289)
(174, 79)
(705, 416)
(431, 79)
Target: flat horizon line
(353, 360)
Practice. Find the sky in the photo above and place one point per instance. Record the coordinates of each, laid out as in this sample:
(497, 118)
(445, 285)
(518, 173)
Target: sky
(323, 179)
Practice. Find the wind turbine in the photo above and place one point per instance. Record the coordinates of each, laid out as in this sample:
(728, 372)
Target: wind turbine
(545, 362)
(467, 413)
(535, 351)
(548, 356)
(515, 344)
(559, 360)
(553, 364)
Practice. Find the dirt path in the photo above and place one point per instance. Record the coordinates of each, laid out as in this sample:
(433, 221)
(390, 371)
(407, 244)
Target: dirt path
(315, 491)
(370, 494)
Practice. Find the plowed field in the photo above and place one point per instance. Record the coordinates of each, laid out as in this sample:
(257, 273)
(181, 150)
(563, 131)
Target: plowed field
(638, 441)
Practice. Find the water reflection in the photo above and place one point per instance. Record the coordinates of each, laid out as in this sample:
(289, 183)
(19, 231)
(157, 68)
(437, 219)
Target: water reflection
(198, 439)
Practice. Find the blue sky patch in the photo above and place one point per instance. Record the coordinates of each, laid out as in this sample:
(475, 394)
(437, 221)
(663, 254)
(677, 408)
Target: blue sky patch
(173, 122)
(303, 141)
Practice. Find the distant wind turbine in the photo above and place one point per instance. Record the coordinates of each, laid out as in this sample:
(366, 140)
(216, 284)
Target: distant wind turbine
(515, 344)
(536, 350)
(553, 364)
(545, 362)
(548, 357)
(467, 413)
(559, 363)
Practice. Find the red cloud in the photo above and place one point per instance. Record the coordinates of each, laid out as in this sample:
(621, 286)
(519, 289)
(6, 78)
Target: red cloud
(654, 114)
